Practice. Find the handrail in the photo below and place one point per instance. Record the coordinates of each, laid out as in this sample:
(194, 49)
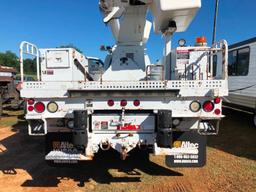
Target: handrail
(29, 49)
(149, 68)
(224, 46)
(221, 46)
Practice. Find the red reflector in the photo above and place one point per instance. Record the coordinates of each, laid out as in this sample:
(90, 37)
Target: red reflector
(39, 107)
(31, 101)
(123, 103)
(217, 100)
(111, 103)
(129, 127)
(136, 103)
(30, 108)
(217, 111)
(208, 106)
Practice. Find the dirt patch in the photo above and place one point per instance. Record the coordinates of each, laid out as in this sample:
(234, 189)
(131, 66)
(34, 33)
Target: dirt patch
(230, 165)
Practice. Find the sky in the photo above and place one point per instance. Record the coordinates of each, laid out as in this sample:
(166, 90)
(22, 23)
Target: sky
(51, 23)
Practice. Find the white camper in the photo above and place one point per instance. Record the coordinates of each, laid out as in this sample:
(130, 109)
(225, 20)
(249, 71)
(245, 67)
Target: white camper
(242, 76)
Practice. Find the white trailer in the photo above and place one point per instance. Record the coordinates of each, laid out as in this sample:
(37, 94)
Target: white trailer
(242, 72)
(83, 105)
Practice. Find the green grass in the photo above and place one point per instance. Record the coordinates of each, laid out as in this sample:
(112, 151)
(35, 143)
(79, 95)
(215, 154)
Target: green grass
(11, 119)
(8, 122)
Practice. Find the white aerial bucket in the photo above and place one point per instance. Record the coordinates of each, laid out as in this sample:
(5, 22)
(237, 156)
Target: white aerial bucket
(181, 11)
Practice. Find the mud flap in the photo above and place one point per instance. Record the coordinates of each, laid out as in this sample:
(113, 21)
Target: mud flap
(191, 140)
(60, 142)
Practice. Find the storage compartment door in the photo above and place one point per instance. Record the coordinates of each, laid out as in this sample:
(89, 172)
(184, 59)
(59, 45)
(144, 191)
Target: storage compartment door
(57, 59)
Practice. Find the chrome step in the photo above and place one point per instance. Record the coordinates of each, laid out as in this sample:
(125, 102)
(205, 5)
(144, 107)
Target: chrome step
(60, 155)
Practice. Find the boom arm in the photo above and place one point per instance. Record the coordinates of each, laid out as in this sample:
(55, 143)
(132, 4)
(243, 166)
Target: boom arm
(133, 27)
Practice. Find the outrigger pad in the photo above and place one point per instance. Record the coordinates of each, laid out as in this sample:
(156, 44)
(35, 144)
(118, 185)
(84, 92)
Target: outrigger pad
(80, 119)
(164, 128)
(164, 119)
(164, 138)
(80, 136)
(190, 141)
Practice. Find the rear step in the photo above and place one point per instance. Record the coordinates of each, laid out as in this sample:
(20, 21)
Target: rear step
(62, 156)
(209, 127)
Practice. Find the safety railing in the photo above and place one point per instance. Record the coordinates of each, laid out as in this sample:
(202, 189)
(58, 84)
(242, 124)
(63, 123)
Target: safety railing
(27, 48)
(211, 64)
(214, 69)
(224, 48)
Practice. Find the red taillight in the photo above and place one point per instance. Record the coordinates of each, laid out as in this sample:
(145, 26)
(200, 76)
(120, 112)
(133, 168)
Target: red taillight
(136, 103)
(123, 103)
(30, 108)
(217, 100)
(39, 107)
(208, 106)
(111, 103)
(217, 111)
(31, 101)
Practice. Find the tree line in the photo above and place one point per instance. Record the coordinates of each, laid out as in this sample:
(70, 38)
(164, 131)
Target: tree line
(10, 59)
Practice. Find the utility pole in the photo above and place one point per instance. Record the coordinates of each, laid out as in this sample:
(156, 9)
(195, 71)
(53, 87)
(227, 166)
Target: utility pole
(215, 21)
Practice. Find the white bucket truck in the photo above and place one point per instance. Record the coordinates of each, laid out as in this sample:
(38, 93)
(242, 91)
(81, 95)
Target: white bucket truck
(83, 105)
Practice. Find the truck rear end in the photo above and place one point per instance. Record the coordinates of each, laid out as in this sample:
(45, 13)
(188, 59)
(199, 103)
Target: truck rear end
(80, 114)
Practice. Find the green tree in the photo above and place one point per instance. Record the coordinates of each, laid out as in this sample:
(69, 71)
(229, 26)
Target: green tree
(30, 66)
(9, 59)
